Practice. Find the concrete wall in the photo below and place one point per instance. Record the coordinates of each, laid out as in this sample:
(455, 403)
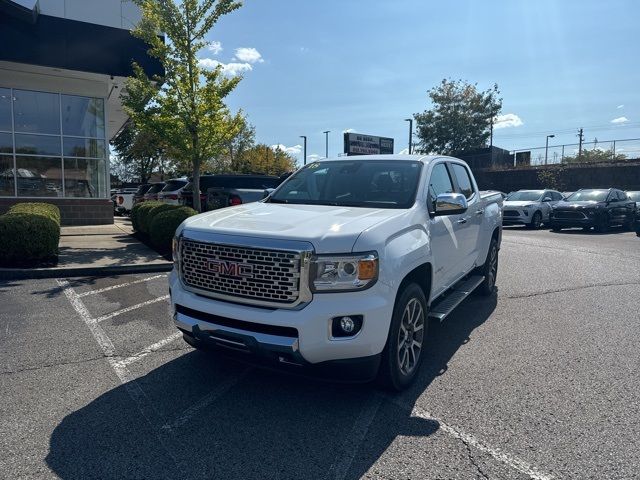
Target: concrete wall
(72, 211)
(111, 13)
(625, 176)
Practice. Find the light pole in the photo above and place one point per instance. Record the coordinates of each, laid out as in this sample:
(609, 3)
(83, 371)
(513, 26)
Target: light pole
(304, 137)
(410, 120)
(546, 148)
(326, 143)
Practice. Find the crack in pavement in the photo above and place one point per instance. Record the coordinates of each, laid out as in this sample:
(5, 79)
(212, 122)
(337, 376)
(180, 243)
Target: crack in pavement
(570, 289)
(473, 460)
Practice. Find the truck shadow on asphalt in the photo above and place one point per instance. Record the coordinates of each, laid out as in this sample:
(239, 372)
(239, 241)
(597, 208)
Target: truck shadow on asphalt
(169, 423)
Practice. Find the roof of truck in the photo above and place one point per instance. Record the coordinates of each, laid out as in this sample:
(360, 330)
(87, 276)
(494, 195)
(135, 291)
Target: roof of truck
(419, 158)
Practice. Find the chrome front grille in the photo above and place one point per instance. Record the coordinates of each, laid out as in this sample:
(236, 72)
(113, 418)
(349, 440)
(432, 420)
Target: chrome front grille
(238, 273)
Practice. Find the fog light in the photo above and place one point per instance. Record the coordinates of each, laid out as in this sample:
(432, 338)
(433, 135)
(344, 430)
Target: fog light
(346, 326)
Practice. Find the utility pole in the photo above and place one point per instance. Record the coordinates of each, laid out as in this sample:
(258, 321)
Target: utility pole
(546, 148)
(491, 135)
(581, 137)
(410, 120)
(326, 143)
(304, 137)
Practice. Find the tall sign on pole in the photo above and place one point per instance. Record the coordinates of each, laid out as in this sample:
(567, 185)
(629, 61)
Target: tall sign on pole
(359, 144)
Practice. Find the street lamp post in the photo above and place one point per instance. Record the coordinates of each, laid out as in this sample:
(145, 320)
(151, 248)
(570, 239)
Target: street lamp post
(546, 148)
(326, 143)
(304, 137)
(410, 120)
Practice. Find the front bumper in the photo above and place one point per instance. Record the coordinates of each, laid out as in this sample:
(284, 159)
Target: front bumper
(585, 221)
(515, 216)
(291, 338)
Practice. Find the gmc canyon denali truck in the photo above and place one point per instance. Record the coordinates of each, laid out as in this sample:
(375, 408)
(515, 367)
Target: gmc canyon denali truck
(337, 271)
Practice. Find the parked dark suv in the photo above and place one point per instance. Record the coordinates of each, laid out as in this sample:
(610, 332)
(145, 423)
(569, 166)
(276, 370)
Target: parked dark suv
(218, 191)
(597, 208)
(139, 195)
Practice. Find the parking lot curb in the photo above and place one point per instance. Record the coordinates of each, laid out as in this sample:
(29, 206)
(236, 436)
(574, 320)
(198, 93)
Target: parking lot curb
(62, 272)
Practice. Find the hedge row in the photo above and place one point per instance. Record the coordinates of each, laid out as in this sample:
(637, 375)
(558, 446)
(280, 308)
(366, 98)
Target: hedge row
(159, 221)
(29, 232)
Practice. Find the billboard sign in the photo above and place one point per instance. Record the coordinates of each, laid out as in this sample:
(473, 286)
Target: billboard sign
(359, 144)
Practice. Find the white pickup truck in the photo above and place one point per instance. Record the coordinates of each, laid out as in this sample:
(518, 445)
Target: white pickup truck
(338, 270)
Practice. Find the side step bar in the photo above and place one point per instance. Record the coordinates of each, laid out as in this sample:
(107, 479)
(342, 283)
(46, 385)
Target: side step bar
(443, 307)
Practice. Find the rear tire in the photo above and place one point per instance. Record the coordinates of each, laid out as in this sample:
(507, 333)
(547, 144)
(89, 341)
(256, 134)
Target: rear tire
(403, 353)
(489, 270)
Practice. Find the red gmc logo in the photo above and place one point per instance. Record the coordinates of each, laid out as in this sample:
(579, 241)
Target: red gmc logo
(230, 269)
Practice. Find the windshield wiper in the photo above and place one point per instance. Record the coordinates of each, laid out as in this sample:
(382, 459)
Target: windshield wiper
(277, 200)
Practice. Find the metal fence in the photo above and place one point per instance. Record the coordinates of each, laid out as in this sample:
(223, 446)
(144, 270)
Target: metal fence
(592, 152)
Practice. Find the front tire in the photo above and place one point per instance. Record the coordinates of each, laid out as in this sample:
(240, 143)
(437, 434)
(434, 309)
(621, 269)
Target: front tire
(489, 270)
(402, 355)
(536, 221)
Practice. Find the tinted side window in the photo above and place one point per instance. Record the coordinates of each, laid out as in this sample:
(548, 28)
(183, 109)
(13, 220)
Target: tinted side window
(622, 195)
(440, 182)
(464, 181)
(556, 196)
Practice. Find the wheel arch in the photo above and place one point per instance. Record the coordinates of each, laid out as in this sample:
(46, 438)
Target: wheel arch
(422, 276)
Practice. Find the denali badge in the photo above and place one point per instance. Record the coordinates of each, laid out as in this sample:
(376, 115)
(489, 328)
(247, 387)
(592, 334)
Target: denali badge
(230, 269)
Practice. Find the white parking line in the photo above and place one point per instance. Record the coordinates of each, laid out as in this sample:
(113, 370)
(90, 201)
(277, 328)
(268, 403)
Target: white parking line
(113, 287)
(352, 443)
(150, 349)
(218, 391)
(129, 309)
(505, 458)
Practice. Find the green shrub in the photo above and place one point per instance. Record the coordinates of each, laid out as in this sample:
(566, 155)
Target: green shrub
(165, 224)
(151, 214)
(27, 237)
(43, 209)
(141, 211)
(135, 216)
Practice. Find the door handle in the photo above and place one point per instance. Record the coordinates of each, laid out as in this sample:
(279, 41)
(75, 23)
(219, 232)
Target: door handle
(479, 212)
(462, 220)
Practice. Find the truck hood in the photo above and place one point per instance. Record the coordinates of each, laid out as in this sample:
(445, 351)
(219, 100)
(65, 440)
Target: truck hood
(330, 229)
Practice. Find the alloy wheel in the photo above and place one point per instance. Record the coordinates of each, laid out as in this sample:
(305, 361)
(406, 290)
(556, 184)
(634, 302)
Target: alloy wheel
(411, 336)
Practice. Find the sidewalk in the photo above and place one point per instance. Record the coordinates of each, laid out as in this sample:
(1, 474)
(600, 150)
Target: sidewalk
(97, 250)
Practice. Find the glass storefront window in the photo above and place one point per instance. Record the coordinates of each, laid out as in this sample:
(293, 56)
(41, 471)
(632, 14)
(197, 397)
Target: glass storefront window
(6, 143)
(6, 176)
(82, 116)
(37, 144)
(83, 147)
(5, 109)
(36, 112)
(39, 176)
(84, 177)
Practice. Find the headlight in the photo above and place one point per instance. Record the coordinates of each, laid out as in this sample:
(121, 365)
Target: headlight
(343, 273)
(528, 206)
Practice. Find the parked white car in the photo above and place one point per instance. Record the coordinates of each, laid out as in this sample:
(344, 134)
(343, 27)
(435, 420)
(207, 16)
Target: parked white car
(123, 200)
(171, 191)
(338, 270)
(529, 207)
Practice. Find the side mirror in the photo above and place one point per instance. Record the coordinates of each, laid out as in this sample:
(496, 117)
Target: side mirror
(267, 192)
(546, 199)
(450, 204)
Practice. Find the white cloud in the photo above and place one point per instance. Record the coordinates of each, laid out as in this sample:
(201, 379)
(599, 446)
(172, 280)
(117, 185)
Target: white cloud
(620, 106)
(215, 47)
(507, 120)
(620, 120)
(348, 130)
(248, 55)
(294, 150)
(231, 69)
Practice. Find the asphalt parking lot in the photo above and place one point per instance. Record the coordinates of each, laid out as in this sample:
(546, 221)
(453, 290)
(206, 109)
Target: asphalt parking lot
(539, 381)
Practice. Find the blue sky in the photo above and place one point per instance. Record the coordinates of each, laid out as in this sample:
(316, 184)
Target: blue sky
(311, 66)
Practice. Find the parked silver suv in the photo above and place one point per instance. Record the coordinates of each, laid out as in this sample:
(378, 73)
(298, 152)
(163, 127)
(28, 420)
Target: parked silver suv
(529, 207)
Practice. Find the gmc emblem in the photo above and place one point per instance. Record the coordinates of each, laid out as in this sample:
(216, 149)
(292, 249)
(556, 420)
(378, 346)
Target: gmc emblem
(230, 269)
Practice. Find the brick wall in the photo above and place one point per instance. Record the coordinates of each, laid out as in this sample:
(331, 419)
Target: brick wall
(73, 211)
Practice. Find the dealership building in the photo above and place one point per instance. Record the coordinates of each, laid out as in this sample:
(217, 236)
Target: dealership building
(63, 65)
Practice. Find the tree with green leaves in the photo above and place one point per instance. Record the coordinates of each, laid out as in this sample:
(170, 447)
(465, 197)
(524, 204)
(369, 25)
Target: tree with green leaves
(459, 119)
(595, 155)
(138, 154)
(264, 159)
(186, 107)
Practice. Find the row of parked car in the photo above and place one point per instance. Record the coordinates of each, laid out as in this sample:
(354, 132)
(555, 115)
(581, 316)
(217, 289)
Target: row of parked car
(216, 191)
(600, 209)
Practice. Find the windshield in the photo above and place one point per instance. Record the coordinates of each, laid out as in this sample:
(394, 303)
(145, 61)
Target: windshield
(142, 189)
(589, 196)
(635, 196)
(530, 196)
(155, 188)
(356, 183)
(174, 185)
